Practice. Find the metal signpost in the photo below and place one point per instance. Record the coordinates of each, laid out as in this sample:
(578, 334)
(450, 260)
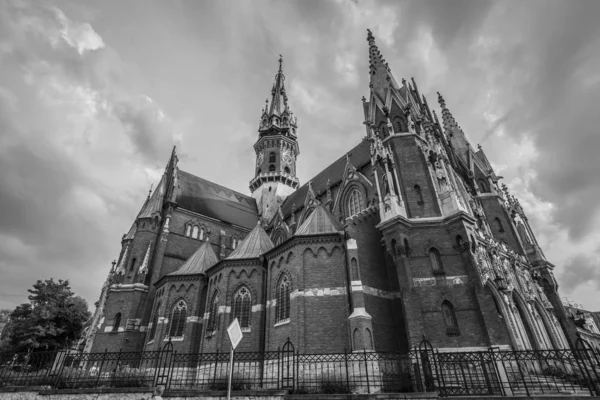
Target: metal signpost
(234, 331)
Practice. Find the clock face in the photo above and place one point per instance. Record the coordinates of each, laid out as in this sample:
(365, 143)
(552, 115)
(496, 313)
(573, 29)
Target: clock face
(259, 158)
(288, 158)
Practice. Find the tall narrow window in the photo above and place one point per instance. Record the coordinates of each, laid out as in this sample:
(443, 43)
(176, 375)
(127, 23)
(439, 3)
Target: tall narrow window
(195, 232)
(116, 323)
(154, 323)
(242, 304)
(188, 230)
(498, 224)
(132, 265)
(283, 299)
(234, 242)
(354, 269)
(178, 317)
(482, 186)
(354, 200)
(286, 170)
(419, 194)
(272, 157)
(450, 319)
(435, 261)
(213, 318)
(406, 247)
(201, 235)
(272, 168)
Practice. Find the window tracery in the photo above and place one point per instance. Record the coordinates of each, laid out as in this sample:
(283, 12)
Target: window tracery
(282, 309)
(178, 318)
(242, 307)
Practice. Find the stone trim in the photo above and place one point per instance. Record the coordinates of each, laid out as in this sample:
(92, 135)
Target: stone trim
(381, 293)
(359, 312)
(448, 280)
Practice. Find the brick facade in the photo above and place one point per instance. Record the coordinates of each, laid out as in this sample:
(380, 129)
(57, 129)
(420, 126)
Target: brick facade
(414, 239)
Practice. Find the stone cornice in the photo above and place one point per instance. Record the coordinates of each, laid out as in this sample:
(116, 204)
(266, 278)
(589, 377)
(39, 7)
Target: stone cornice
(244, 262)
(425, 222)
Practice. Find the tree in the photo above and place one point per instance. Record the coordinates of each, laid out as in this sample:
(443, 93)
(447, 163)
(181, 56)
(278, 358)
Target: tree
(53, 318)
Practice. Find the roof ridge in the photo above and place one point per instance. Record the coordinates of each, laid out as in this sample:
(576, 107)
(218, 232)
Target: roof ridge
(224, 188)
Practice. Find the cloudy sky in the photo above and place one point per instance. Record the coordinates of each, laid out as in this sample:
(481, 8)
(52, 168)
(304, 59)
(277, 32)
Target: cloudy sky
(93, 95)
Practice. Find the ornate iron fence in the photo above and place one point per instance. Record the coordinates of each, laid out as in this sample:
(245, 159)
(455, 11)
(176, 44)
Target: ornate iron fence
(508, 372)
(478, 373)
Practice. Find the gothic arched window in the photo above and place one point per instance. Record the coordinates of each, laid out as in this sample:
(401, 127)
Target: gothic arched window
(178, 317)
(353, 202)
(406, 247)
(116, 323)
(242, 305)
(234, 242)
(482, 186)
(272, 157)
(284, 289)
(450, 319)
(419, 194)
(213, 317)
(272, 168)
(154, 323)
(498, 224)
(400, 124)
(195, 232)
(286, 170)
(435, 260)
(279, 238)
(188, 230)
(201, 235)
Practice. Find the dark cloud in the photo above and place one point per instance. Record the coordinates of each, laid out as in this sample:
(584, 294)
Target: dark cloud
(580, 270)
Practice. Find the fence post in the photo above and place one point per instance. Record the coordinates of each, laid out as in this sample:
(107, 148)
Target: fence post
(501, 372)
(279, 369)
(62, 361)
(215, 371)
(297, 374)
(367, 370)
(347, 374)
(516, 353)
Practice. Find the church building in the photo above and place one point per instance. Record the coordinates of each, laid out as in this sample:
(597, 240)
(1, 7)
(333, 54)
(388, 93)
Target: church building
(408, 235)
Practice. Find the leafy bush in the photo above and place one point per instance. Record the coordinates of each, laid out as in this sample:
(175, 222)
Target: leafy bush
(333, 386)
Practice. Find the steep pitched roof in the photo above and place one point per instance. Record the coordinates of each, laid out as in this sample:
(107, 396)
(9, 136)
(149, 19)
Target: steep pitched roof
(154, 203)
(215, 201)
(256, 243)
(130, 235)
(319, 221)
(359, 156)
(199, 262)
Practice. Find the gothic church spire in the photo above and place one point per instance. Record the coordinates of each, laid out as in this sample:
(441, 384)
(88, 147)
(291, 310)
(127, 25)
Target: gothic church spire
(277, 118)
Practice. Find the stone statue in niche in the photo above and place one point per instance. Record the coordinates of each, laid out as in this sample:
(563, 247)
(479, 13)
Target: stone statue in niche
(441, 177)
(386, 185)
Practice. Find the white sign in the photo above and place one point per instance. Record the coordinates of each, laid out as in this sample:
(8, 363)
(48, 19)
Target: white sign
(234, 331)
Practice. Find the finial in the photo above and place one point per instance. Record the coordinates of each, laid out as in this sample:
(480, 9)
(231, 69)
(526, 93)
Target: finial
(441, 100)
(403, 82)
(370, 35)
(364, 99)
(479, 146)
(280, 63)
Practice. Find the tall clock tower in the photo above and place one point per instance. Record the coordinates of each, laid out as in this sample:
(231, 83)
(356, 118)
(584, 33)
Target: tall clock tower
(276, 152)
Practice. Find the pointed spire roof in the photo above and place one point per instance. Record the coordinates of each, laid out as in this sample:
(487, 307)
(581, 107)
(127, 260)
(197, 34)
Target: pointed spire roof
(255, 244)
(278, 95)
(199, 262)
(121, 268)
(277, 116)
(447, 118)
(144, 266)
(381, 77)
(318, 222)
(154, 204)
